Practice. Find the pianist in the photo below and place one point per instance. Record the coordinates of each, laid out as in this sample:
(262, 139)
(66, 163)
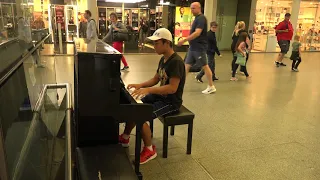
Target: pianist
(166, 98)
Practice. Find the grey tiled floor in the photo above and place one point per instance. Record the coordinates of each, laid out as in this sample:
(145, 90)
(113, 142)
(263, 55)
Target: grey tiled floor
(262, 128)
(266, 127)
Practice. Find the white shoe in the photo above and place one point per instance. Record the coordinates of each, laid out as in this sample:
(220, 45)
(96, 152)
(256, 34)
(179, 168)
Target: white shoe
(209, 90)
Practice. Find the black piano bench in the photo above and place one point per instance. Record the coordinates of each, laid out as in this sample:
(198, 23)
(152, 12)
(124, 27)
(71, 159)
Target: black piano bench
(184, 116)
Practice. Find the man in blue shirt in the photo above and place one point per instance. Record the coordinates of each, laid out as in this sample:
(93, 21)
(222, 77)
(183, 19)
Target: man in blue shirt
(198, 46)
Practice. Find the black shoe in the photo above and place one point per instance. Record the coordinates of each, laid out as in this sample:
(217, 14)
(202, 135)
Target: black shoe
(277, 64)
(215, 79)
(282, 64)
(199, 80)
(126, 68)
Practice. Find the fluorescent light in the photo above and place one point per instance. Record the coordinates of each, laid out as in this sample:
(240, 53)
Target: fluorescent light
(125, 1)
(164, 3)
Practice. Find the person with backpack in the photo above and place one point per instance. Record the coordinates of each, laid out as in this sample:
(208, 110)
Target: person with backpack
(116, 27)
(284, 33)
(92, 32)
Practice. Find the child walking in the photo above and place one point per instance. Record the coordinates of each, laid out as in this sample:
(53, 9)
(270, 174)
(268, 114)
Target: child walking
(296, 54)
(241, 52)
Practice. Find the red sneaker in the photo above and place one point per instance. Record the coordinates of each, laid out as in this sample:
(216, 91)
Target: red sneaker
(147, 155)
(124, 142)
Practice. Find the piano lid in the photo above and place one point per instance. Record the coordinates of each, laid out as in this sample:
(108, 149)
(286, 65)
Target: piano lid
(83, 45)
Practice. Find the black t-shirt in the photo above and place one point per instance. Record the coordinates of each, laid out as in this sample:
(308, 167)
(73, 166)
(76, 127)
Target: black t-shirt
(173, 67)
(200, 43)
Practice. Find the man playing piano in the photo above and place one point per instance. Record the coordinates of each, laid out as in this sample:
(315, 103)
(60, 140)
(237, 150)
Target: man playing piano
(166, 98)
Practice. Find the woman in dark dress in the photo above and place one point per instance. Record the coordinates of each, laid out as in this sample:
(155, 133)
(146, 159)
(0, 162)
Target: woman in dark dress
(239, 28)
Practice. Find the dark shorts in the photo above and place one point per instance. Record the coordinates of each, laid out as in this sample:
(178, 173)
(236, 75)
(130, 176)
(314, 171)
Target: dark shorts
(160, 105)
(284, 46)
(194, 57)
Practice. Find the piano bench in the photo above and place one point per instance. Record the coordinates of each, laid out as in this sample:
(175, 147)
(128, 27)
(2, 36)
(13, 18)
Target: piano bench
(183, 117)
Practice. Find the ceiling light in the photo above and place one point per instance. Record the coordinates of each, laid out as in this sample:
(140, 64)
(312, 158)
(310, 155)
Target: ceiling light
(125, 1)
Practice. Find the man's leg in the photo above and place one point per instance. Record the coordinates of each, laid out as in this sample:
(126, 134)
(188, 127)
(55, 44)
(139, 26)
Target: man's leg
(212, 64)
(284, 46)
(189, 61)
(280, 57)
(146, 135)
(208, 73)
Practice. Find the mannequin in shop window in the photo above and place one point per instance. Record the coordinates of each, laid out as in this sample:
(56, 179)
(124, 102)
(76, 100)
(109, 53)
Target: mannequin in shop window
(116, 26)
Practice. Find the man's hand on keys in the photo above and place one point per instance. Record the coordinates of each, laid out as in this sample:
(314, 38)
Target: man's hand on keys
(140, 93)
(135, 86)
(137, 91)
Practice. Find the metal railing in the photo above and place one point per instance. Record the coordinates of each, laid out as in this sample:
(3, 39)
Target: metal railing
(26, 146)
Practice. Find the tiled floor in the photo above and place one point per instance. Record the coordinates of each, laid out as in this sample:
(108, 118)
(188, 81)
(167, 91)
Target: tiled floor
(266, 127)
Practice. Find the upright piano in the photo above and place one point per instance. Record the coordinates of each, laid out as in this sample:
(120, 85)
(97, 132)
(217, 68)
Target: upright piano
(101, 103)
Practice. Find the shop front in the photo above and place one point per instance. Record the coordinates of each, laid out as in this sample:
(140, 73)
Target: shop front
(143, 17)
(268, 14)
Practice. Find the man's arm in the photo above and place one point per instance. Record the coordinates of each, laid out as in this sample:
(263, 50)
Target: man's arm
(280, 28)
(91, 29)
(194, 35)
(170, 88)
(215, 46)
(151, 82)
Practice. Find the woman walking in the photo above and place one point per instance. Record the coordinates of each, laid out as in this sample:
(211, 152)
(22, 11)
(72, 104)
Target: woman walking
(239, 28)
(241, 52)
(118, 45)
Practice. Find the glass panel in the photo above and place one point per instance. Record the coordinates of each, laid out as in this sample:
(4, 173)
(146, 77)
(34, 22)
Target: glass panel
(308, 27)
(268, 15)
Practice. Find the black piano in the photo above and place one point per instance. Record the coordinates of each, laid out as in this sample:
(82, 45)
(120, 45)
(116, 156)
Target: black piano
(101, 103)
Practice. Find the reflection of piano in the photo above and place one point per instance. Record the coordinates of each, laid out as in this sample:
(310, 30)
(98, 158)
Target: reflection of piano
(101, 103)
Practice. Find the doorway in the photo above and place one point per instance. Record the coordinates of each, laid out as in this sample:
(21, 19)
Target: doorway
(226, 18)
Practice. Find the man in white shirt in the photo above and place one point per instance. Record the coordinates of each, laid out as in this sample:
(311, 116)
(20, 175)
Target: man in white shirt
(91, 26)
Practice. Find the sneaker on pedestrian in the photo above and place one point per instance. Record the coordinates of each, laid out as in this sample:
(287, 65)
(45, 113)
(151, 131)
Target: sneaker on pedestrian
(199, 80)
(209, 90)
(233, 79)
(147, 155)
(277, 64)
(124, 142)
(295, 70)
(215, 79)
(126, 68)
(282, 64)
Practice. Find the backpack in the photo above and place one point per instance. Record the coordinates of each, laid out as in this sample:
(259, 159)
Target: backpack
(95, 24)
(287, 25)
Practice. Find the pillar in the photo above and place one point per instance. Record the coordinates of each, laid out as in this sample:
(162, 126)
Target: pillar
(252, 17)
(294, 20)
(92, 6)
(210, 11)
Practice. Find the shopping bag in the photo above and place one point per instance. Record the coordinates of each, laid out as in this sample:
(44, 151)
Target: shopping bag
(241, 60)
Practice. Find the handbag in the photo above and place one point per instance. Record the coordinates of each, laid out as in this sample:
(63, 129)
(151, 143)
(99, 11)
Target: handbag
(241, 60)
(120, 36)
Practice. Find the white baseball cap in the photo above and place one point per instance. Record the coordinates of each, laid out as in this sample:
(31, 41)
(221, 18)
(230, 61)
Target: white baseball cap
(161, 33)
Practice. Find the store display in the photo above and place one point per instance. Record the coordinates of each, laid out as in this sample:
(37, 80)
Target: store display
(60, 16)
(182, 24)
(102, 22)
(270, 13)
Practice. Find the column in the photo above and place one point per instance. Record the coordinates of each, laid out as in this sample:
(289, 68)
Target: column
(210, 11)
(92, 6)
(294, 20)
(252, 16)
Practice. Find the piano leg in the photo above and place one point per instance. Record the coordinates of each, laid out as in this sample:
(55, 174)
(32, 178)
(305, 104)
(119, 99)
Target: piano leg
(137, 150)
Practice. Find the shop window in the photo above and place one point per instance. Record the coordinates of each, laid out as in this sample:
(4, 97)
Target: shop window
(308, 26)
(268, 15)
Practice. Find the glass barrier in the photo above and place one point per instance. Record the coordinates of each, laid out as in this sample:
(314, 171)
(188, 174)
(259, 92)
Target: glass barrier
(33, 128)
